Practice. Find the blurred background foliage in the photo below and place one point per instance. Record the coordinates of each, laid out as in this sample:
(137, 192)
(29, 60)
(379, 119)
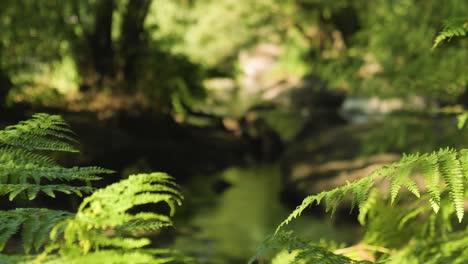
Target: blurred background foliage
(292, 96)
(167, 48)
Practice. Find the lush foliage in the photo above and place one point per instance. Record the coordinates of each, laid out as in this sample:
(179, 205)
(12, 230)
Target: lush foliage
(26, 170)
(378, 47)
(108, 227)
(303, 251)
(441, 179)
(442, 168)
(53, 50)
(165, 49)
(190, 60)
(104, 228)
(401, 231)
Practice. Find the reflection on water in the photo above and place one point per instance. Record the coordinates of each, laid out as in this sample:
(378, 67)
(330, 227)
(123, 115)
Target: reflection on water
(230, 229)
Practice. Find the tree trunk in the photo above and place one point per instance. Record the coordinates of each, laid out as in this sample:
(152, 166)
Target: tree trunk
(100, 41)
(5, 86)
(132, 37)
(5, 82)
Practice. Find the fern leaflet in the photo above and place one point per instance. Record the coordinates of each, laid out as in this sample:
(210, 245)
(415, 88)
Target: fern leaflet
(23, 170)
(103, 219)
(306, 252)
(146, 256)
(452, 28)
(446, 165)
(36, 224)
(41, 132)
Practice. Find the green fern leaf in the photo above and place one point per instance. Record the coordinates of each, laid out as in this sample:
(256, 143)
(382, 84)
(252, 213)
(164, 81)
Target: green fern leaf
(24, 172)
(108, 210)
(461, 120)
(16, 259)
(41, 132)
(448, 165)
(359, 188)
(306, 251)
(319, 255)
(12, 190)
(451, 171)
(140, 256)
(24, 157)
(308, 201)
(452, 28)
(431, 172)
(36, 224)
(366, 206)
(463, 157)
(448, 249)
(401, 176)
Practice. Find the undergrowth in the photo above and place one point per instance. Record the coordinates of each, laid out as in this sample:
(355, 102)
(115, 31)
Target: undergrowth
(104, 229)
(399, 228)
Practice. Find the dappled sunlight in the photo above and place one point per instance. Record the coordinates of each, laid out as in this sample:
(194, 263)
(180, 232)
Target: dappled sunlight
(106, 104)
(269, 116)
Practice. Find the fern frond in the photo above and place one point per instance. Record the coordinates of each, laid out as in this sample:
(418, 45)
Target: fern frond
(432, 178)
(461, 119)
(31, 190)
(5, 259)
(316, 254)
(21, 173)
(25, 171)
(109, 206)
(359, 188)
(21, 177)
(393, 226)
(119, 242)
(450, 249)
(400, 176)
(105, 215)
(452, 174)
(41, 132)
(144, 225)
(23, 157)
(446, 165)
(452, 28)
(306, 251)
(16, 259)
(367, 205)
(138, 256)
(34, 222)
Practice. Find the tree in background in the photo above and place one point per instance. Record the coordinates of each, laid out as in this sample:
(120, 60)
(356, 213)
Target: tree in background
(104, 44)
(166, 48)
